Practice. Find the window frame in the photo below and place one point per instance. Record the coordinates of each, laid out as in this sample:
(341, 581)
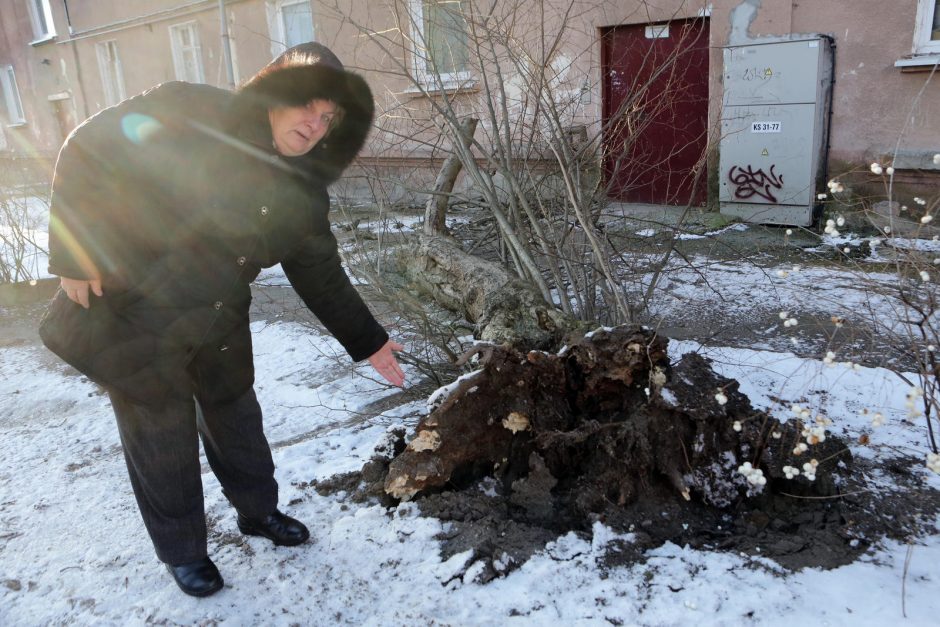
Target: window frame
(233, 48)
(37, 16)
(176, 47)
(113, 83)
(420, 59)
(923, 44)
(13, 104)
(278, 28)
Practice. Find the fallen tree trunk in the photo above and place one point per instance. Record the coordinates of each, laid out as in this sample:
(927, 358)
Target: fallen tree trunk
(504, 308)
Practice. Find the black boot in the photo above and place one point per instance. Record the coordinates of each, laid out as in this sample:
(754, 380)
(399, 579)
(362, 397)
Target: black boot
(199, 579)
(280, 529)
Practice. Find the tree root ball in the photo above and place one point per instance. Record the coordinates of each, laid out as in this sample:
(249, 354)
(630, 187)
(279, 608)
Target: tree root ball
(609, 431)
(607, 422)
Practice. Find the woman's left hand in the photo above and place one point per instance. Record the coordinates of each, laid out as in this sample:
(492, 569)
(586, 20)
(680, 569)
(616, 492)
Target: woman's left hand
(384, 362)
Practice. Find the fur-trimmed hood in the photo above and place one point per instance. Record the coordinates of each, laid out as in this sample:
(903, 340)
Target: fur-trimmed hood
(303, 73)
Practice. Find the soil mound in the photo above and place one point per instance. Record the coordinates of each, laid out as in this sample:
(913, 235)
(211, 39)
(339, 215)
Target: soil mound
(535, 445)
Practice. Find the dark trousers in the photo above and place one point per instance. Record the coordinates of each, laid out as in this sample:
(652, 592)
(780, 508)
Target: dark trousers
(161, 447)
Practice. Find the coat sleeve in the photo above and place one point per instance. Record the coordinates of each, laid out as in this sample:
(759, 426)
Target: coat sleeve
(315, 271)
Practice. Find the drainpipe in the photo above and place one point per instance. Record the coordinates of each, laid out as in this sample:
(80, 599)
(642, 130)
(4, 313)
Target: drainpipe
(832, 97)
(226, 46)
(78, 65)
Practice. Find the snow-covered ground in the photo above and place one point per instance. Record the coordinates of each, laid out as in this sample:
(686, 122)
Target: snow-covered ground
(73, 549)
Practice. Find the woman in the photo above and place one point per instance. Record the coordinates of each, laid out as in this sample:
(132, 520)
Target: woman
(164, 208)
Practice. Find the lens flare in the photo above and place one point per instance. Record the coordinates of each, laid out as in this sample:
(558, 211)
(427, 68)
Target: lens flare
(138, 127)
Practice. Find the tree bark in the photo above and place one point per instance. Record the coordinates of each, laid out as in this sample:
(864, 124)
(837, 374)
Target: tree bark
(504, 308)
(436, 208)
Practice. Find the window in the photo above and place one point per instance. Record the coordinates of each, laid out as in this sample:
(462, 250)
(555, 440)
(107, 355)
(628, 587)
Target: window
(290, 23)
(296, 22)
(235, 71)
(439, 47)
(11, 96)
(112, 76)
(187, 53)
(41, 17)
(927, 30)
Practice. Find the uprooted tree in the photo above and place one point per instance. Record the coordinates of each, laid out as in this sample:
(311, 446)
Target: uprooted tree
(611, 428)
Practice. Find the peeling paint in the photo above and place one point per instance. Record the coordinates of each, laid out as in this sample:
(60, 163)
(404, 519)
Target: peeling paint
(742, 16)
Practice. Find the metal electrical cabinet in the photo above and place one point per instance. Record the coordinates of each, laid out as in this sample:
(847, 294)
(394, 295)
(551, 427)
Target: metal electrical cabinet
(774, 129)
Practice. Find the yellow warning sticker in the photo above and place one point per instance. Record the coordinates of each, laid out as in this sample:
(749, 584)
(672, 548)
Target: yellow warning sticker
(764, 153)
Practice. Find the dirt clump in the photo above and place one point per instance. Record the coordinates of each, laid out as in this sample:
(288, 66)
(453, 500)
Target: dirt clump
(535, 445)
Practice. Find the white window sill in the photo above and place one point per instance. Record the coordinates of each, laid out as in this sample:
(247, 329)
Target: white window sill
(920, 62)
(445, 87)
(17, 124)
(42, 40)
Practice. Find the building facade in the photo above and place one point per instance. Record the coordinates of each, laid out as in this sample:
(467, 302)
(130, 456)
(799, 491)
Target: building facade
(63, 60)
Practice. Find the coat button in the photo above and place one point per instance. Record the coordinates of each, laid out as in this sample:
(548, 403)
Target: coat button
(218, 304)
(224, 347)
(241, 261)
(264, 211)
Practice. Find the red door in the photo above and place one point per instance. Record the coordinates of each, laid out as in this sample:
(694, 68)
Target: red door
(655, 108)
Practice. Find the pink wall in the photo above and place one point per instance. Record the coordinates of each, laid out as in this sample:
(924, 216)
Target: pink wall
(875, 104)
(876, 107)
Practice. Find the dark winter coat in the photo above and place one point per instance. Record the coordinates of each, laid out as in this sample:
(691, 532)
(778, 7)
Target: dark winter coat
(176, 198)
